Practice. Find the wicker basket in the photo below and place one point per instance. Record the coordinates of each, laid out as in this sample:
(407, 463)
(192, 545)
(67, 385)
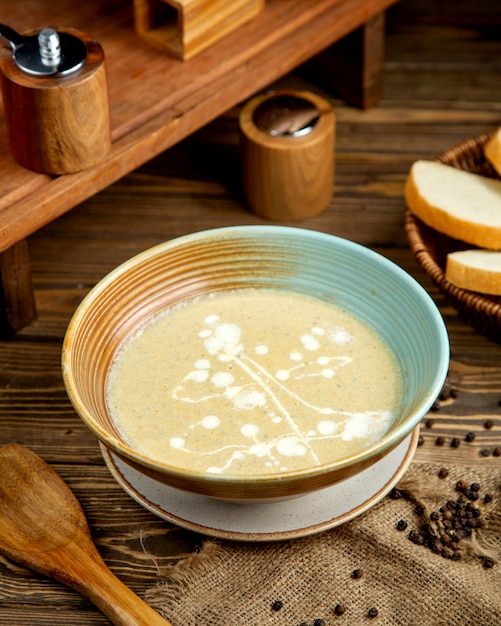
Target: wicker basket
(430, 247)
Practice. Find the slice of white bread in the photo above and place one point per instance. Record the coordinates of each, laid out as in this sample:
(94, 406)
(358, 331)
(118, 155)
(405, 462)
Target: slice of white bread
(492, 151)
(476, 270)
(456, 202)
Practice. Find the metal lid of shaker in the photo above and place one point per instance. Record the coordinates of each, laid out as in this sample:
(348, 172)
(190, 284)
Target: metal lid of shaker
(49, 53)
(286, 115)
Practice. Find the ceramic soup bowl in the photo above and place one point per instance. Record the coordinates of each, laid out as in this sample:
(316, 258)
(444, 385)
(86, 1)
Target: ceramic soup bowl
(349, 275)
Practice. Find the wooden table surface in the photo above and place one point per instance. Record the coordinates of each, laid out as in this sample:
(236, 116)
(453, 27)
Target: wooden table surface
(442, 85)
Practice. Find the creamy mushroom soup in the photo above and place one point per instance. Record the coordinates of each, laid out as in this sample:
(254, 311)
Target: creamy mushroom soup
(253, 381)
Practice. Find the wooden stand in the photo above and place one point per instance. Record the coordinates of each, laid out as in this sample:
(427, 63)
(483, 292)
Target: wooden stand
(17, 300)
(58, 125)
(185, 27)
(358, 81)
(288, 177)
(157, 100)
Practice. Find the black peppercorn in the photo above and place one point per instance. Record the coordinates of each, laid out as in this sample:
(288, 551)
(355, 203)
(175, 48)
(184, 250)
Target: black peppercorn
(416, 537)
(443, 472)
(440, 441)
(357, 573)
(373, 612)
(396, 494)
(429, 422)
(339, 609)
(488, 424)
(455, 442)
(319, 622)
(496, 452)
(435, 406)
(277, 605)
(469, 437)
(487, 498)
(444, 394)
(485, 452)
(401, 524)
(488, 562)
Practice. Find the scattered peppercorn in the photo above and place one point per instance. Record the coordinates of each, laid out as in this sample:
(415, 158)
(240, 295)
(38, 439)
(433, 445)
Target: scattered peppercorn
(485, 452)
(461, 485)
(396, 494)
(488, 562)
(443, 472)
(319, 622)
(487, 498)
(277, 605)
(339, 609)
(435, 406)
(429, 422)
(401, 524)
(488, 424)
(440, 441)
(373, 612)
(420, 441)
(496, 452)
(455, 442)
(469, 437)
(357, 573)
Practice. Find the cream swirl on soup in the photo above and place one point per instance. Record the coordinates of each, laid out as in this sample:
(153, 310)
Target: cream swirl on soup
(253, 381)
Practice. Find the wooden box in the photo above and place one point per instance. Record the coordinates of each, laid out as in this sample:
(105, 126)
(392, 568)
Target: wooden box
(185, 27)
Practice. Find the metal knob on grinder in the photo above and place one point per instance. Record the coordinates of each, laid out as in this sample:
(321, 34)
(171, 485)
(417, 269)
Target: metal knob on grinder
(55, 94)
(46, 53)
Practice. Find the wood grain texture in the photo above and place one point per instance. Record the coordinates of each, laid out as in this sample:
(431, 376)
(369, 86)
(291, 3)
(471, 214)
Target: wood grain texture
(43, 527)
(17, 300)
(58, 125)
(286, 177)
(186, 27)
(441, 85)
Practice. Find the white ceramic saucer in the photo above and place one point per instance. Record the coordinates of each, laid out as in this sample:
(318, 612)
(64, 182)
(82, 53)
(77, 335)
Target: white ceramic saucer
(288, 519)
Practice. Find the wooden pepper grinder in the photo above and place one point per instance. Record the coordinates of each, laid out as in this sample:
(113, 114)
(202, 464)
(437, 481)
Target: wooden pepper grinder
(55, 96)
(288, 140)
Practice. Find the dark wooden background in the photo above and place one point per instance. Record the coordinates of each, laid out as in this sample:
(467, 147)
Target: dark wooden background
(442, 85)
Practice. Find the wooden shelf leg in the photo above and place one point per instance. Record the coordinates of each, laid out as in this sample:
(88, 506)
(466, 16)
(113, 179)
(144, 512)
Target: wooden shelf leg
(353, 67)
(17, 300)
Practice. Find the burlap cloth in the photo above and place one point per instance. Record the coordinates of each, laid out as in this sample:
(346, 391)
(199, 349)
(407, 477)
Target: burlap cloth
(236, 584)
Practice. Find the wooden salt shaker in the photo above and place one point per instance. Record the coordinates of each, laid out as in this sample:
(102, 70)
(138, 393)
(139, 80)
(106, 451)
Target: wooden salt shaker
(288, 141)
(55, 95)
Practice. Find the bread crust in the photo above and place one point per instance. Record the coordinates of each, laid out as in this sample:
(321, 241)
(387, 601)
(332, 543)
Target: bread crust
(492, 151)
(445, 221)
(478, 274)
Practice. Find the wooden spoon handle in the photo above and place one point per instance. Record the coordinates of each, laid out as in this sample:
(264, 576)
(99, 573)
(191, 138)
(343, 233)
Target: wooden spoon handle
(115, 599)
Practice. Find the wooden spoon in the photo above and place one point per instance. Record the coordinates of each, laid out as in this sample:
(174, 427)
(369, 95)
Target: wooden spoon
(43, 527)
